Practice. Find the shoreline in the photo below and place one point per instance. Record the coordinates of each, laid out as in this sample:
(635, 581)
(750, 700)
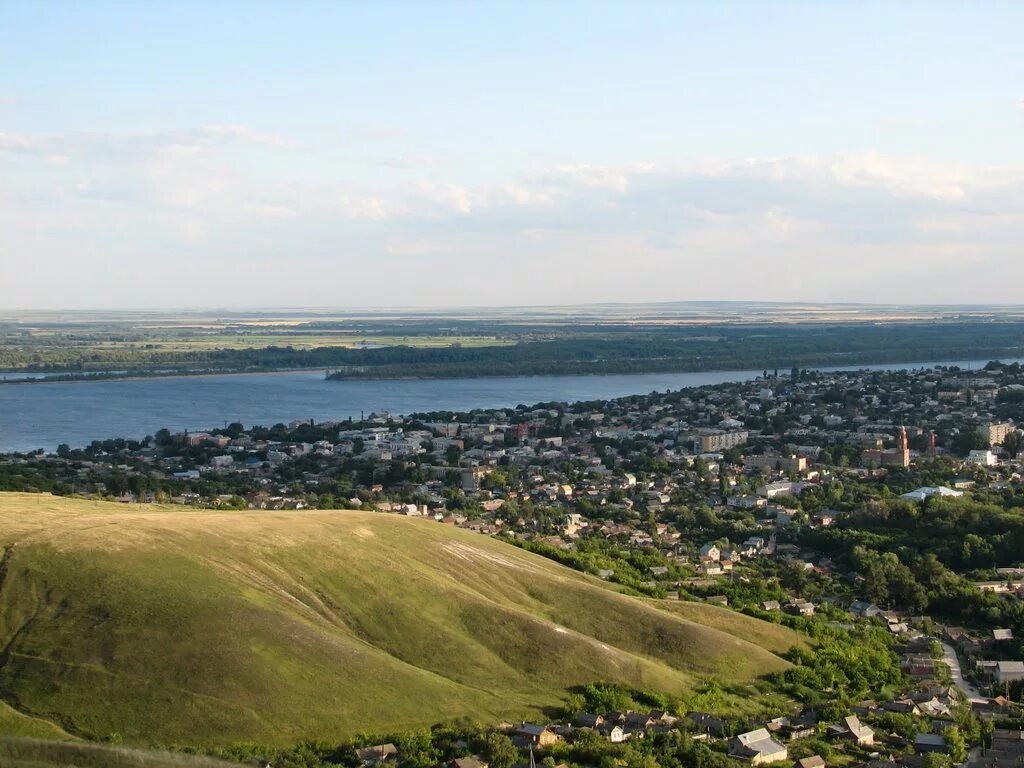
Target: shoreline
(832, 365)
(90, 378)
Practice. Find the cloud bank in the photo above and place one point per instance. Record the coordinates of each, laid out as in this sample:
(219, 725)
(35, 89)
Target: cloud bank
(230, 215)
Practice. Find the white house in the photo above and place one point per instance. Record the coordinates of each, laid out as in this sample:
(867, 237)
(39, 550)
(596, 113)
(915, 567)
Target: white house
(758, 747)
(1009, 671)
(710, 552)
(921, 494)
(982, 458)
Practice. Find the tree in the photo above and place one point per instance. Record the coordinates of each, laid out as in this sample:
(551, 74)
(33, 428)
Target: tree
(956, 744)
(969, 439)
(936, 760)
(499, 750)
(453, 455)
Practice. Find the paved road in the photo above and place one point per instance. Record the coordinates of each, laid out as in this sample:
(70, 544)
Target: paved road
(950, 657)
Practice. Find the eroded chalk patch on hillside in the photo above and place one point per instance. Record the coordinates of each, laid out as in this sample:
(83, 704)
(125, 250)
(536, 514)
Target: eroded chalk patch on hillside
(473, 554)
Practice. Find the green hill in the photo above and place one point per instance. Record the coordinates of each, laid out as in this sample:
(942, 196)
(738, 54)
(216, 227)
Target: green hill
(14, 723)
(168, 624)
(32, 753)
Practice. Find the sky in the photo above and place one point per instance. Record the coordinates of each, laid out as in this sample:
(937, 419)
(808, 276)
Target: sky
(343, 154)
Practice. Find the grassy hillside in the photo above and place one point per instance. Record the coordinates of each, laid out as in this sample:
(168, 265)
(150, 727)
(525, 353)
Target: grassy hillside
(164, 624)
(31, 753)
(14, 723)
(772, 637)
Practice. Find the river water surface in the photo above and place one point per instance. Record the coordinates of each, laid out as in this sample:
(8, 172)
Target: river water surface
(46, 414)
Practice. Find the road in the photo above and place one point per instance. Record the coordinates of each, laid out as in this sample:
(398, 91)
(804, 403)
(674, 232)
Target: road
(950, 657)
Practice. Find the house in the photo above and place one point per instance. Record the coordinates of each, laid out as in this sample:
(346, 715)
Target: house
(852, 729)
(538, 735)
(864, 610)
(754, 545)
(781, 488)
(921, 494)
(866, 707)
(800, 607)
(771, 605)
(802, 726)
(637, 722)
(1009, 671)
(710, 552)
(932, 707)
(1000, 635)
(982, 458)
(991, 708)
(662, 717)
(709, 724)
(1007, 749)
(587, 720)
(918, 666)
(814, 761)
(929, 742)
(473, 761)
(378, 754)
(758, 747)
(614, 733)
(902, 707)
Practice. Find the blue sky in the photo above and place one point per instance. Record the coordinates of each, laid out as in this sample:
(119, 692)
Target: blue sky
(344, 154)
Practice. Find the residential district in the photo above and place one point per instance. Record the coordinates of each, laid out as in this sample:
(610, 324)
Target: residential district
(881, 507)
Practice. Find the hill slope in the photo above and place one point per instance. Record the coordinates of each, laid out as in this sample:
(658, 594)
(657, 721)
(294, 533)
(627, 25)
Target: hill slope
(165, 624)
(14, 723)
(31, 753)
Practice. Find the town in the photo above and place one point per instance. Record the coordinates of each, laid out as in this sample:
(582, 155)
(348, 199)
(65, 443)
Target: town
(882, 505)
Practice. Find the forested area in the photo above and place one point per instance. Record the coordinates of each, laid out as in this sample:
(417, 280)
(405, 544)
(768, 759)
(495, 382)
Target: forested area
(566, 350)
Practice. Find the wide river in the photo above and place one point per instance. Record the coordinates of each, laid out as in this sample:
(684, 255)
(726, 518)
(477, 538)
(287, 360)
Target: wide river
(45, 415)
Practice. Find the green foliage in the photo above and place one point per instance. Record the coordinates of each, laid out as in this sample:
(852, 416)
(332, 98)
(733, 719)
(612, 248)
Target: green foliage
(912, 555)
(498, 749)
(844, 666)
(936, 760)
(122, 347)
(604, 696)
(956, 744)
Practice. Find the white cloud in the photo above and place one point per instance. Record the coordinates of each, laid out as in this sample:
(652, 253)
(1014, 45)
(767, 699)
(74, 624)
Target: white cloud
(372, 208)
(792, 227)
(13, 142)
(407, 162)
(244, 133)
(413, 247)
(601, 176)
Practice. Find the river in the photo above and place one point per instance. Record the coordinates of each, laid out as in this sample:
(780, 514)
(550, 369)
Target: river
(44, 415)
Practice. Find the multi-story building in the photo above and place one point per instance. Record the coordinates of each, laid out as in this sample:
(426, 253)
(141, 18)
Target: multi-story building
(996, 432)
(772, 462)
(715, 441)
